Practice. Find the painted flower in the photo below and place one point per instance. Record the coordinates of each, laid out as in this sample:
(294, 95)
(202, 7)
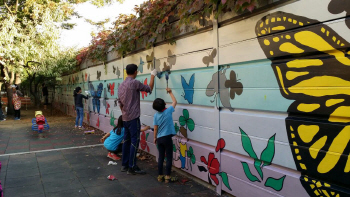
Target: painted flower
(143, 141)
(213, 166)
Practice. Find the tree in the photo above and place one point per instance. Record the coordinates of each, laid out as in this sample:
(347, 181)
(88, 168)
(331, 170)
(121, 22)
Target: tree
(29, 33)
(158, 18)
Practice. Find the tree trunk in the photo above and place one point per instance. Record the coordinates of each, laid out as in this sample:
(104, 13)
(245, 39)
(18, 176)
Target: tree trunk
(10, 109)
(34, 92)
(53, 97)
(18, 79)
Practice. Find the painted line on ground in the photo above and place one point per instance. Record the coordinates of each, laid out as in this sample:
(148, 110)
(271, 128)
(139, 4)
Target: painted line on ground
(49, 150)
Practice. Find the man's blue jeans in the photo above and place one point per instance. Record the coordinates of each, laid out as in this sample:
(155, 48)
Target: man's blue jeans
(80, 115)
(131, 142)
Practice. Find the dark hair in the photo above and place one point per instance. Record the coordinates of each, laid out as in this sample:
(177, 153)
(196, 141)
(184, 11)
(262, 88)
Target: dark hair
(131, 69)
(16, 87)
(119, 126)
(158, 104)
(76, 90)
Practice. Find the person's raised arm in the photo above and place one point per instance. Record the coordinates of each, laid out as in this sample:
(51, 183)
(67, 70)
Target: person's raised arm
(151, 83)
(172, 97)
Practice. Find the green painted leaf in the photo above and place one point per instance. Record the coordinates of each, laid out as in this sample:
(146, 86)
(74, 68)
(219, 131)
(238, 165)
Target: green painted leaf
(190, 150)
(174, 147)
(257, 165)
(186, 114)
(147, 135)
(225, 180)
(182, 121)
(269, 152)
(176, 128)
(247, 144)
(193, 158)
(276, 184)
(247, 172)
(190, 124)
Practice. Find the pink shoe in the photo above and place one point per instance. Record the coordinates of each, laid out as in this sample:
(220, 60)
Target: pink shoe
(113, 156)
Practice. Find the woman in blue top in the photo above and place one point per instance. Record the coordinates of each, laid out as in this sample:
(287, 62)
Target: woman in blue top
(163, 132)
(112, 140)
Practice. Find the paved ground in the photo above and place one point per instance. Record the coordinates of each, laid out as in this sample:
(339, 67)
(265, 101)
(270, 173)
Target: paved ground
(17, 136)
(53, 170)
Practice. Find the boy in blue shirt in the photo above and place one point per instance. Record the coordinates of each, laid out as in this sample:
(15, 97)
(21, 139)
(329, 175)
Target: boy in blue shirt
(163, 132)
(112, 140)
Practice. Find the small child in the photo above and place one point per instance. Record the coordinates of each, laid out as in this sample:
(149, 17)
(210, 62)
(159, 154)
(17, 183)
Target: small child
(112, 140)
(163, 132)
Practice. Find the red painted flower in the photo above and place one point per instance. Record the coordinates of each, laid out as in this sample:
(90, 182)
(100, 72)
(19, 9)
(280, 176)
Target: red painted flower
(143, 141)
(144, 94)
(213, 166)
(107, 108)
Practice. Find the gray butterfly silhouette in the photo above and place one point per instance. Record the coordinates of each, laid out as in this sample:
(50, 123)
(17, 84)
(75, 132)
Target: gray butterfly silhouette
(98, 75)
(118, 72)
(149, 59)
(114, 68)
(212, 89)
(210, 58)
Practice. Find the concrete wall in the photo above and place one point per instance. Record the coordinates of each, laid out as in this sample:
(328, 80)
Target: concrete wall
(268, 95)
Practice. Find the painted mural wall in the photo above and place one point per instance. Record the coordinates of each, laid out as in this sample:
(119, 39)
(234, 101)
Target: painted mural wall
(264, 106)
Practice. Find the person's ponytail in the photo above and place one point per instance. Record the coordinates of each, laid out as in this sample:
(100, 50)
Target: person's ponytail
(76, 90)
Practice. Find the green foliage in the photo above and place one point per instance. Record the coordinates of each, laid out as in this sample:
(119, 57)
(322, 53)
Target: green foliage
(177, 128)
(266, 158)
(276, 184)
(247, 144)
(247, 172)
(268, 153)
(159, 19)
(225, 179)
(186, 120)
(191, 155)
(257, 165)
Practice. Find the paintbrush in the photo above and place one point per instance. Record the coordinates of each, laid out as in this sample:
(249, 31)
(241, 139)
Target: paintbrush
(166, 78)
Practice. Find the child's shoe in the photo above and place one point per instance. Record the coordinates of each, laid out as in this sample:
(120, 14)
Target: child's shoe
(160, 178)
(113, 156)
(170, 179)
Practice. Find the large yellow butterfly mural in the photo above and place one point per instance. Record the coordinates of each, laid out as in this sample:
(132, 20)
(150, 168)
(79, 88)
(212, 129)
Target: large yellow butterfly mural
(312, 66)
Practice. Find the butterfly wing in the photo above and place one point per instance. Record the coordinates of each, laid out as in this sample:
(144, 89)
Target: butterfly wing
(314, 74)
(140, 67)
(109, 87)
(149, 59)
(188, 88)
(92, 90)
(171, 58)
(112, 89)
(213, 55)
(99, 90)
(206, 60)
